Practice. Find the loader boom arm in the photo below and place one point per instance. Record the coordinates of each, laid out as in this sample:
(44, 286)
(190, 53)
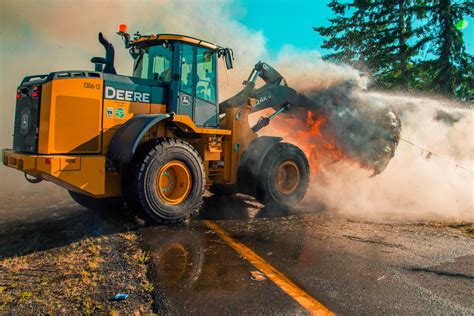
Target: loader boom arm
(275, 93)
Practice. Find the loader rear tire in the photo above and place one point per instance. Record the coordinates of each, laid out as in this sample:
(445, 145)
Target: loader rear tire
(96, 204)
(169, 180)
(284, 177)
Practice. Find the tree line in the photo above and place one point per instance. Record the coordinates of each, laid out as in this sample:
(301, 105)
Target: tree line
(405, 44)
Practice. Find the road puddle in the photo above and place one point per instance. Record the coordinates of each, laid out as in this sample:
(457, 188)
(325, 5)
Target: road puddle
(192, 265)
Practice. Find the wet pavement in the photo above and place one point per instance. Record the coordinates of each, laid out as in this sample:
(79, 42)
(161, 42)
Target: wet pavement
(351, 266)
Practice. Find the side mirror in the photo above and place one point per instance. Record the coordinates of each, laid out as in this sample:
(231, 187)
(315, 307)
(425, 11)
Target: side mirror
(229, 56)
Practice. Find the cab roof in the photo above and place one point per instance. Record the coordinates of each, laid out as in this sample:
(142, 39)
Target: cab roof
(149, 39)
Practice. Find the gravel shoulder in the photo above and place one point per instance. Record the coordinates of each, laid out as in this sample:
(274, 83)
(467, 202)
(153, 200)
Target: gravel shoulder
(57, 257)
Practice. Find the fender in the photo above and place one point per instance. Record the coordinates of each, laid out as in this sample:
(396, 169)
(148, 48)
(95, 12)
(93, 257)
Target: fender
(251, 162)
(125, 141)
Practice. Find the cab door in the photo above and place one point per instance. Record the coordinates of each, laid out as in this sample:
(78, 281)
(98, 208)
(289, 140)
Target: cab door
(205, 108)
(187, 91)
(197, 96)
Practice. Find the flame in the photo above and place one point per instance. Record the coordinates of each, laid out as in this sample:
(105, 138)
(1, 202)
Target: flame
(316, 123)
(305, 129)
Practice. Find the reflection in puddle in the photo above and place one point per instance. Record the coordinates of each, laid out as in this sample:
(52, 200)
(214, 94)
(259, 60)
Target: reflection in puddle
(173, 260)
(191, 259)
(191, 264)
(177, 255)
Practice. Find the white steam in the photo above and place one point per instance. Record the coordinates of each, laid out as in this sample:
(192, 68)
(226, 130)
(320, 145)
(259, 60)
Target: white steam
(416, 184)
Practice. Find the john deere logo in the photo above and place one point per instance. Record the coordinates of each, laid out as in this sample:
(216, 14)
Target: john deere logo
(185, 100)
(119, 113)
(126, 95)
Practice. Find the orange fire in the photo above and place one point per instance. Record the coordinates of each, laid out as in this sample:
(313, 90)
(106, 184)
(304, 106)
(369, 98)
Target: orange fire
(305, 129)
(315, 131)
(315, 124)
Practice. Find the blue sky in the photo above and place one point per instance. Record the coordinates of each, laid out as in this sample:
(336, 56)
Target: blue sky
(291, 21)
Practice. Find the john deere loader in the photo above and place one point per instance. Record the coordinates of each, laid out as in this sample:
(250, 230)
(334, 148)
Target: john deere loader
(155, 140)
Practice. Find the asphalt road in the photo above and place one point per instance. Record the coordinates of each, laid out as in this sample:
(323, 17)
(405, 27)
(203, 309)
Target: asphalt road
(350, 266)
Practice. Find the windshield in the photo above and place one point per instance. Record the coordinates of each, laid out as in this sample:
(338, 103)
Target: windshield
(154, 63)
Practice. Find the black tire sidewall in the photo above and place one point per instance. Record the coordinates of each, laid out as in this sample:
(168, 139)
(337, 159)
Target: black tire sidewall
(267, 191)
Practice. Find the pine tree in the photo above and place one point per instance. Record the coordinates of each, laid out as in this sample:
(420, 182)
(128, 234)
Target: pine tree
(414, 44)
(378, 34)
(452, 66)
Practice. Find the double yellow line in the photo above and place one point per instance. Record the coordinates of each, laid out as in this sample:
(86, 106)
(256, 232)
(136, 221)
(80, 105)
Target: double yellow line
(312, 305)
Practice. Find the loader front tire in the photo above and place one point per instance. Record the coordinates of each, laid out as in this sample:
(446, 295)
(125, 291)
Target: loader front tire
(169, 180)
(284, 177)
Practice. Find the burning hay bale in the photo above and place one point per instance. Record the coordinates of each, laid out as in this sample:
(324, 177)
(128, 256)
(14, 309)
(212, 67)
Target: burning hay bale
(345, 125)
(367, 132)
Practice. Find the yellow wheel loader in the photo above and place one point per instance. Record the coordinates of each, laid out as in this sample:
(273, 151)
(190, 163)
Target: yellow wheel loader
(155, 140)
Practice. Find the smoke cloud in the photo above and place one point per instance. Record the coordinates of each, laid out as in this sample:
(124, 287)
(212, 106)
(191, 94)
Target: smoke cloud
(426, 179)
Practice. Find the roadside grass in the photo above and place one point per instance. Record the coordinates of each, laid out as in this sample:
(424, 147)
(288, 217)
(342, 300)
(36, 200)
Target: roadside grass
(79, 278)
(469, 230)
(466, 228)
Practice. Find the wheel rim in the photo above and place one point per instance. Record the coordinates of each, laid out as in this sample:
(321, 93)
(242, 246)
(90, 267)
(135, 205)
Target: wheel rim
(287, 177)
(173, 182)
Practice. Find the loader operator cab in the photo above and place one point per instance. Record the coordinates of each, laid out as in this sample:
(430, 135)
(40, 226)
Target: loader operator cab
(188, 67)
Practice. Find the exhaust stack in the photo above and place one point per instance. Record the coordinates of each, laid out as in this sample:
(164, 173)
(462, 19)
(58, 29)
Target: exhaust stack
(105, 64)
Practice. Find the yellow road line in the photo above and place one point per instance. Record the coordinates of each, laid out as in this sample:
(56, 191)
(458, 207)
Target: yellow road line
(281, 280)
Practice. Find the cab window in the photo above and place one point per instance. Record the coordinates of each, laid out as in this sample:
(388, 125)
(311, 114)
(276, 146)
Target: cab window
(154, 63)
(187, 69)
(206, 75)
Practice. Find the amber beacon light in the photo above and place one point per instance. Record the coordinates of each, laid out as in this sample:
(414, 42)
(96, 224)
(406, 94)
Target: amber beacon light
(123, 28)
